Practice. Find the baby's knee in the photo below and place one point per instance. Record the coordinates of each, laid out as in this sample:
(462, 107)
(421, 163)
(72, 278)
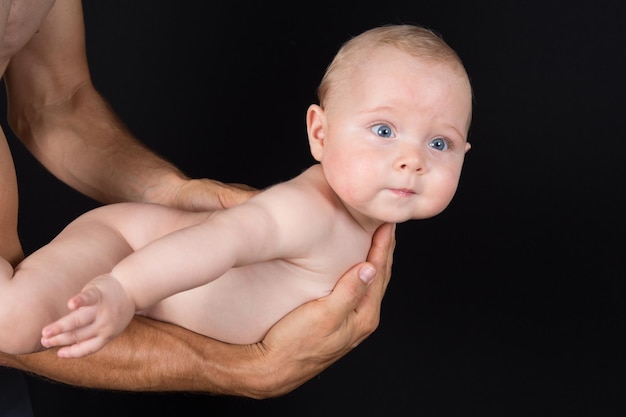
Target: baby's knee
(15, 345)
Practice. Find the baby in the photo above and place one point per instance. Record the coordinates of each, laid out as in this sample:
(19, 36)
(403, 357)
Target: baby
(390, 137)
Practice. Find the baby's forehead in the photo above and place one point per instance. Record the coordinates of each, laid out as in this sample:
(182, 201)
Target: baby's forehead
(390, 77)
(379, 63)
(383, 61)
(388, 61)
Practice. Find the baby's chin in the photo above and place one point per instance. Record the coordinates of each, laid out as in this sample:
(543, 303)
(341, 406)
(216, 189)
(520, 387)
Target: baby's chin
(401, 215)
(400, 218)
(415, 216)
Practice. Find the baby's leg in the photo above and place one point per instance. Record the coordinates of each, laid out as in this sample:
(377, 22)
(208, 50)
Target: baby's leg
(43, 283)
(89, 246)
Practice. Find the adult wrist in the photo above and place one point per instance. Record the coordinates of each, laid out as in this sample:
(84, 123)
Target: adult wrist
(165, 190)
(255, 372)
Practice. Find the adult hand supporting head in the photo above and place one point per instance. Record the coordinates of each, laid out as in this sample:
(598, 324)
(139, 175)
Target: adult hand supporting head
(319, 333)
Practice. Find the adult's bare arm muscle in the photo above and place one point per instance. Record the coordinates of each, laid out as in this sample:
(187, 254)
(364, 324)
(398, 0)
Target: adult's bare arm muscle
(54, 108)
(297, 348)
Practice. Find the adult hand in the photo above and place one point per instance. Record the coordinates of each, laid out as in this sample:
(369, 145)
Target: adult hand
(318, 333)
(206, 194)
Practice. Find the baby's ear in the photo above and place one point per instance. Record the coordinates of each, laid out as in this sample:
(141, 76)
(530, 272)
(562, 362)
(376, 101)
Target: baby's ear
(468, 146)
(316, 130)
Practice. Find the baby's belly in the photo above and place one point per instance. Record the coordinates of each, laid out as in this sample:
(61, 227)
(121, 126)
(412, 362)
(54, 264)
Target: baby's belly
(240, 307)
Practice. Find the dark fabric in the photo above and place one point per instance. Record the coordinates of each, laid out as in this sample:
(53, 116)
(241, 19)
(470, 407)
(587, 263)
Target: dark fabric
(14, 396)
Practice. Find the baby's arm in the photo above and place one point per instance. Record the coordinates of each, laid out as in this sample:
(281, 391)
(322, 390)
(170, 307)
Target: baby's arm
(101, 311)
(261, 229)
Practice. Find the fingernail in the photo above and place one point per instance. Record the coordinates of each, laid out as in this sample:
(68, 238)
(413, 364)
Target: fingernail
(366, 273)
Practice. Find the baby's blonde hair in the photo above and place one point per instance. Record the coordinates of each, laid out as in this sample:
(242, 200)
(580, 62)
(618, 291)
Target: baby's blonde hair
(415, 40)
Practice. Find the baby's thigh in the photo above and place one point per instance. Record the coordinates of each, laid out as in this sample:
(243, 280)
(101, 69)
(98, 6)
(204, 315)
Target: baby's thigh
(42, 284)
(26, 306)
(36, 295)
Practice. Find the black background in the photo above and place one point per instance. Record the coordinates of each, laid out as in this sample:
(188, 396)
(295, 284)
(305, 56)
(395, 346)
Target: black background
(510, 303)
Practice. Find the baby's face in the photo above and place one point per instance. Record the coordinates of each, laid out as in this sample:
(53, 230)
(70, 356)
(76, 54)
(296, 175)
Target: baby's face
(396, 136)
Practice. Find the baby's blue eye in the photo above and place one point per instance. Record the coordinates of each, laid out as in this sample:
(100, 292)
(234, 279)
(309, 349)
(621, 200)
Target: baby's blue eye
(439, 144)
(383, 131)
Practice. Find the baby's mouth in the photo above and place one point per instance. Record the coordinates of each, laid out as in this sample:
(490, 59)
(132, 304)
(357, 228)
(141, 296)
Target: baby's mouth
(403, 192)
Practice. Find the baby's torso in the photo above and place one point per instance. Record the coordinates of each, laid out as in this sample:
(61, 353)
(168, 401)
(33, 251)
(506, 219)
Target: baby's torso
(242, 305)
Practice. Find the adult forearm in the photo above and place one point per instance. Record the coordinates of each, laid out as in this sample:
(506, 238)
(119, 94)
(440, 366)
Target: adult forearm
(54, 108)
(183, 361)
(84, 144)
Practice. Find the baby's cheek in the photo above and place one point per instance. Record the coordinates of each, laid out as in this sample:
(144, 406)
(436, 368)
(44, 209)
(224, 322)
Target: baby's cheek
(353, 174)
(444, 193)
(349, 183)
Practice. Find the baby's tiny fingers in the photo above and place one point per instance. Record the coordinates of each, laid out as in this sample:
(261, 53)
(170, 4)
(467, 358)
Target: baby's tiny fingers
(70, 322)
(69, 337)
(81, 349)
(62, 339)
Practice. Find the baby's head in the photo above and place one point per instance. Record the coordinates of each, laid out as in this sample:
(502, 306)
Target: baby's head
(421, 43)
(391, 128)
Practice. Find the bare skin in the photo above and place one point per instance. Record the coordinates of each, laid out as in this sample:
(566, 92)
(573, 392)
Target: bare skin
(57, 113)
(287, 358)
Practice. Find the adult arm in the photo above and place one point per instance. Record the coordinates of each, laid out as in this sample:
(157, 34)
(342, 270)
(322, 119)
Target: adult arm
(55, 110)
(297, 348)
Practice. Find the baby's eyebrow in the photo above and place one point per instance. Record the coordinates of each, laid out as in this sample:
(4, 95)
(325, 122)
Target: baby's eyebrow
(376, 110)
(450, 126)
(379, 109)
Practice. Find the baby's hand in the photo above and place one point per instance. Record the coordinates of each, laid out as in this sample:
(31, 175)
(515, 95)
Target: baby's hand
(98, 313)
